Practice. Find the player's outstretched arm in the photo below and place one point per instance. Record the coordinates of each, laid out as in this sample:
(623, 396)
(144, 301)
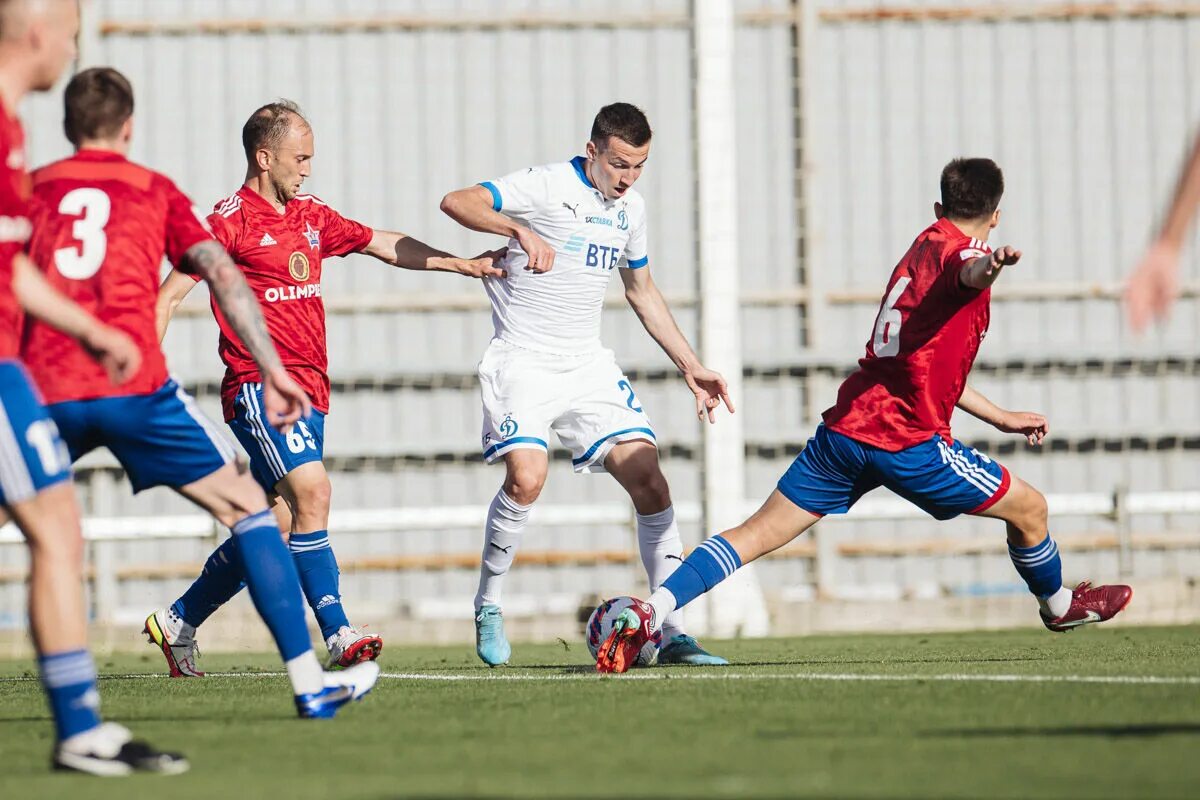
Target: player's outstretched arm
(115, 351)
(174, 288)
(1154, 283)
(406, 252)
(1029, 424)
(285, 401)
(472, 208)
(982, 272)
(651, 307)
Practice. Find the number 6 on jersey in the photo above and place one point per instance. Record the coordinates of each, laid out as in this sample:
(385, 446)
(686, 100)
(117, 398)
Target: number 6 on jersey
(886, 342)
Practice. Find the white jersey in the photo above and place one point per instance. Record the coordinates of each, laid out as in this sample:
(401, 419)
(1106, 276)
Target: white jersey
(558, 312)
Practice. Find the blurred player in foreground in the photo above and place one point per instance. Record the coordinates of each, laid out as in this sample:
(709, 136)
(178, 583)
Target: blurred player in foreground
(37, 40)
(101, 228)
(279, 238)
(570, 225)
(891, 427)
(1154, 284)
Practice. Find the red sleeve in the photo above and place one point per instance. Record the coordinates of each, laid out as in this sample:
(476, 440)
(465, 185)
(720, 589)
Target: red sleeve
(955, 257)
(341, 236)
(185, 226)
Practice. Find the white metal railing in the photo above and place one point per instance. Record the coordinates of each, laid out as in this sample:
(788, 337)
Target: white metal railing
(198, 526)
(1118, 507)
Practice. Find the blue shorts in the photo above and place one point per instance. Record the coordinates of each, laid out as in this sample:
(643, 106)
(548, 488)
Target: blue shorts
(274, 454)
(32, 456)
(161, 439)
(944, 479)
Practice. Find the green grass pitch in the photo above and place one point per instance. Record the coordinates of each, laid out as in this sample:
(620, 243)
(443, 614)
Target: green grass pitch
(1020, 714)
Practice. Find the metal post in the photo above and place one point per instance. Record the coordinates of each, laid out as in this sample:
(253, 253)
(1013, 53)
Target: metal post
(739, 607)
(1124, 525)
(88, 39)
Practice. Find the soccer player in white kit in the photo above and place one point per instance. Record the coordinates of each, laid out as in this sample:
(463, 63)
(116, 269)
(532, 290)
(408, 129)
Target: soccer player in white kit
(570, 225)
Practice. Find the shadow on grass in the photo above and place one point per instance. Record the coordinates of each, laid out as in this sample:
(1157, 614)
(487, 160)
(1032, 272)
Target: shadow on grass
(1116, 731)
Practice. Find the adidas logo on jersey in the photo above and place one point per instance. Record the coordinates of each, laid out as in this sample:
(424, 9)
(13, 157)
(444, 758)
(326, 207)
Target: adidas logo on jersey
(266, 241)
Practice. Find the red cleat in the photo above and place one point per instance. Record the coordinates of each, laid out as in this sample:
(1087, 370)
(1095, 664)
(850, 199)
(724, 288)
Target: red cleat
(1090, 604)
(632, 629)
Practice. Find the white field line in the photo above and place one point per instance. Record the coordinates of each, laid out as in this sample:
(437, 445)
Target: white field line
(850, 677)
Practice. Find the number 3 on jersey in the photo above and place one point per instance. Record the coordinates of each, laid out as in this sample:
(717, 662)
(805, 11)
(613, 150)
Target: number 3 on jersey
(82, 261)
(886, 342)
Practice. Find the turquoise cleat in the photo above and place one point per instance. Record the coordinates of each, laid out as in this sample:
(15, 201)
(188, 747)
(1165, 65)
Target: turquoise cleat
(490, 643)
(683, 649)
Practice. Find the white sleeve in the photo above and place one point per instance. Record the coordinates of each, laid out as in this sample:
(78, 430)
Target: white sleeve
(636, 255)
(520, 194)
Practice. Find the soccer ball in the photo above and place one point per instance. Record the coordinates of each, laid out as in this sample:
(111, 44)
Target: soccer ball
(600, 625)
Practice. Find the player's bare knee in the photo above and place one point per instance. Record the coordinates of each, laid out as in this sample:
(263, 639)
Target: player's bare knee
(1029, 516)
(524, 484)
(314, 498)
(63, 548)
(651, 495)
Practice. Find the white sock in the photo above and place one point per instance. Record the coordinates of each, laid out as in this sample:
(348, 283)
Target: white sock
(1058, 603)
(501, 535)
(663, 603)
(306, 674)
(662, 553)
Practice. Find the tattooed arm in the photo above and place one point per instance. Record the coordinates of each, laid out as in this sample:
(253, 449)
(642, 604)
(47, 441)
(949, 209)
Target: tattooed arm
(285, 400)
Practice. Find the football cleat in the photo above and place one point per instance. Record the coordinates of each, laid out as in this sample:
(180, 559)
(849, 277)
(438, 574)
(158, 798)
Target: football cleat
(349, 646)
(632, 628)
(179, 651)
(1090, 604)
(490, 642)
(683, 649)
(352, 683)
(109, 750)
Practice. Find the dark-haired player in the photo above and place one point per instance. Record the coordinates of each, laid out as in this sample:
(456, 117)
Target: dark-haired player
(280, 238)
(891, 427)
(102, 226)
(546, 369)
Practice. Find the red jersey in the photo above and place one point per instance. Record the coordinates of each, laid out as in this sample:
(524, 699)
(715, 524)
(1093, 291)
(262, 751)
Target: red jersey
(102, 225)
(14, 226)
(926, 336)
(281, 255)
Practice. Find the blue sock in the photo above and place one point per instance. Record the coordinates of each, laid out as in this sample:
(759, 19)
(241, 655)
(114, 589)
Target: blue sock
(709, 564)
(273, 583)
(1039, 566)
(70, 682)
(319, 579)
(216, 586)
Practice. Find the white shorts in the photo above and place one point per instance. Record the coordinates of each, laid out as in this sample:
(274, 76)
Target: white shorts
(586, 400)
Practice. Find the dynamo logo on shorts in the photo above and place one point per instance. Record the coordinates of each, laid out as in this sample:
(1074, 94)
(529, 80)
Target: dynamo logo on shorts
(508, 428)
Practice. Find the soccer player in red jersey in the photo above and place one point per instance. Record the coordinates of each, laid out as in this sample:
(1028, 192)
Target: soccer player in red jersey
(101, 228)
(891, 427)
(37, 40)
(280, 238)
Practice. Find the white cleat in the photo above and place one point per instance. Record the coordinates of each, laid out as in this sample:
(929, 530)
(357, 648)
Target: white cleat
(178, 645)
(350, 646)
(109, 750)
(359, 677)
